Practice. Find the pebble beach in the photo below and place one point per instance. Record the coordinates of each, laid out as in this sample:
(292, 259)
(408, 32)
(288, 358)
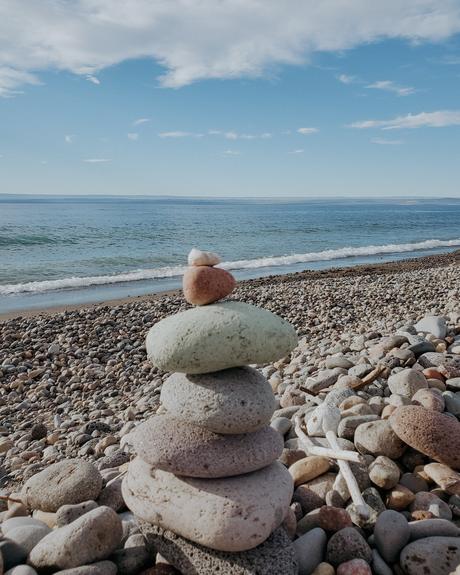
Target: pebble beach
(380, 343)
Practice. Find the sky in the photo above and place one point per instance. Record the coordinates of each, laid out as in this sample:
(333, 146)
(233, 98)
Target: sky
(230, 98)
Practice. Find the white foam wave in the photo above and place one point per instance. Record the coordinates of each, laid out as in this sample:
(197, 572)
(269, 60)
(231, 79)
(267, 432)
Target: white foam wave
(176, 271)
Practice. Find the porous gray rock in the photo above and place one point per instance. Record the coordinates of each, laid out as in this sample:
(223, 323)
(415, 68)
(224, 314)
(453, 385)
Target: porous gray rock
(91, 537)
(274, 556)
(228, 514)
(67, 482)
(181, 448)
(238, 400)
(219, 336)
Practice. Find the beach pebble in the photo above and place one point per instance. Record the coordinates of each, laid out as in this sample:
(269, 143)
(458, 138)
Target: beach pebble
(384, 472)
(433, 528)
(324, 569)
(354, 567)
(68, 513)
(99, 568)
(198, 257)
(429, 399)
(89, 538)
(431, 556)
(203, 285)
(345, 545)
(309, 550)
(211, 338)
(399, 498)
(66, 482)
(436, 325)
(238, 400)
(426, 501)
(231, 514)
(378, 438)
(181, 448)
(391, 533)
(407, 382)
(447, 479)
(308, 468)
(21, 570)
(434, 434)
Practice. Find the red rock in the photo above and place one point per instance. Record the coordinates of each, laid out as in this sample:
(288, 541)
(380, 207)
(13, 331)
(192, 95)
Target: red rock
(354, 567)
(333, 518)
(205, 284)
(433, 373)
(430, 432)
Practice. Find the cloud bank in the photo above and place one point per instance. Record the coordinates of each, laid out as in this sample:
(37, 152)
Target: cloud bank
(201, 39)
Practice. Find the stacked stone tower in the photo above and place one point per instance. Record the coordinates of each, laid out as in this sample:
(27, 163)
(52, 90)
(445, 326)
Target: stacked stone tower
(205, 479)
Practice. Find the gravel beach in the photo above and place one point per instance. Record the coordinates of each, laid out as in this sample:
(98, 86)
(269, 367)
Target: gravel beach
(74, 384)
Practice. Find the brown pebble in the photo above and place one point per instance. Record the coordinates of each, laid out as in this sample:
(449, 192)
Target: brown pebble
(203, 285)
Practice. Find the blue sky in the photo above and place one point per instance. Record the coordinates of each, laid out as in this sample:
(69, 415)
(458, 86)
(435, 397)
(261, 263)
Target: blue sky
(251, 103)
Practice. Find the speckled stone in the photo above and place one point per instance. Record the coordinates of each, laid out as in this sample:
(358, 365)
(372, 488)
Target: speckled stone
(407, 382)
(230, 514)
(433, 433)
(219, 336)
(205, 284)
(64, 483)
(347, 544)
(429, 399)
(173, 445)
(238, 400)
(431, 556)
(378, 438)
(275, 556)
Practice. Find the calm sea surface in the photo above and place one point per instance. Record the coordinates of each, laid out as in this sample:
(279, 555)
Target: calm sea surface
(56, 250)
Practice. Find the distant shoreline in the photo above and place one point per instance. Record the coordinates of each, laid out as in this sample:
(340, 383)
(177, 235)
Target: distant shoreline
(400, 266)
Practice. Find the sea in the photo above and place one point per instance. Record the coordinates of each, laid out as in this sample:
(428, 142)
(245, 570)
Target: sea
(61, 250)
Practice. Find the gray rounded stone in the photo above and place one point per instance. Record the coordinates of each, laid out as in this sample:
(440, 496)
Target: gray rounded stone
(100, 568)
(172, 445)
(66, 482)
(407, 382)
(378, 438)
(309, 549)
(391, 533)
(238, 400)
(275, 556)
(21, 570)
(229, 514)
(433, 528)
(91, 537)
(68, 513)
(434, 324)
(219, 336)
(431, 556)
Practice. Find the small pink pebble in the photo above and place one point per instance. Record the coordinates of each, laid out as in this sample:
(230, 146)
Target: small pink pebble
(354, 567)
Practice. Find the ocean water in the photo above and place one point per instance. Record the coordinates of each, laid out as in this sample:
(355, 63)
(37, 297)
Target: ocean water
(62, 250)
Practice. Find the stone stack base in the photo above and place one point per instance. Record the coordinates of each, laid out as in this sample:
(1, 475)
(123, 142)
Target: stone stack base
(275, 556)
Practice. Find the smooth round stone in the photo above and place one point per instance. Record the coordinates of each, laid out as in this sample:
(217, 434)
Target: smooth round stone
(433, 528)
(198, 257)
(391, 533)
(172, 445)
(378, 438)
(230, 514)
(443, 476)
(238, 400)
(354, 567)
(66, 482)
(275, 556)
(308, 468)
(384, 472)
(219, 336)
(431, 556)
(99, 568)
(434, 324)
(310, 549)
(91, 537)
(347, 544)
(203, 285)
(433, 433)
(429, 399)
(21, 570)
(407, 382)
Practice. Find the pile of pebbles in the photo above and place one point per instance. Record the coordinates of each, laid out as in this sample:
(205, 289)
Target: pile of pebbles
(384, 348)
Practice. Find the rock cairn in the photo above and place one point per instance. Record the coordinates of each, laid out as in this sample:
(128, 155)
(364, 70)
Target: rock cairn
(206, 481)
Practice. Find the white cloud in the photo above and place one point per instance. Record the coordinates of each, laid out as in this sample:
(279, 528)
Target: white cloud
(140, 121)
(346, 79)
(93, 79)
(238, 136)
(11, 79)
(299, 151)
(389, 86)
(133, 136)
(200, 39)
(96, 160)
(178, 134)
(438, 119)
(230, 153)
(306, 131)
(69, 138)
(384, 142)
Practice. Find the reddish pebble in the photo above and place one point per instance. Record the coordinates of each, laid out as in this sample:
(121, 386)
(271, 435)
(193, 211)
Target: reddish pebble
(354, 567)
(204, 284)
(432, 373)
(333, 518)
